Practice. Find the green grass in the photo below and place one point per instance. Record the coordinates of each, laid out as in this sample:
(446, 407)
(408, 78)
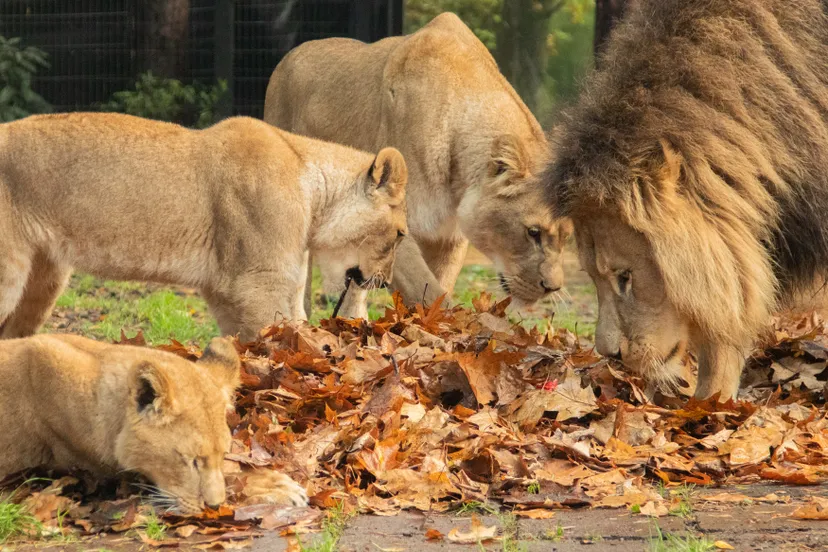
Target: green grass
(662, 542)
(510, 534)
(154, 528)
(684, 507)
(332, 529)
(16, 521)
(533, 488)
(162, 314)
(102, 308)
(474, 507)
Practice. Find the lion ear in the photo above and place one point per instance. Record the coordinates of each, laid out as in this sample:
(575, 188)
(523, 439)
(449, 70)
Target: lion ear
(388, 173)
(222, 362)
(670, 171)
(508, 157)
(152, 391)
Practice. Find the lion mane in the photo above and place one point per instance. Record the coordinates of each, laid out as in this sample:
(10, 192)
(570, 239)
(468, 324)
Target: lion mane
(707, 131)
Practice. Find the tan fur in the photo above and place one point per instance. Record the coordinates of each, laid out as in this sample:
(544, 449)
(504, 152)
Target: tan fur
(232, 210)
(70, 402)
(472, 147)
(696, 161)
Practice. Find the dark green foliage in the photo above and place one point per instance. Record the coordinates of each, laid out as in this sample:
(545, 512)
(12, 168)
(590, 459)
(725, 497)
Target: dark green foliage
(17, 66)
(194, 105)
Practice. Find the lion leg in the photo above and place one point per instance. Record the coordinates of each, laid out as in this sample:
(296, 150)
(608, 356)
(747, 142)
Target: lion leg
(252, 301)
(308, 291)
(15, 268)
(445, 259)
(720, 371)
(412, 276)
(46, 282)
(355, 303)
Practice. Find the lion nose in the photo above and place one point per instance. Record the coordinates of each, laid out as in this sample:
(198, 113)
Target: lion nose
(214, 506)
(548, 289)
(616, 355)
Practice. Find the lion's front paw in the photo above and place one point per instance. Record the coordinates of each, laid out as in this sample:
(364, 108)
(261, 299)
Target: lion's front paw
(272, 487)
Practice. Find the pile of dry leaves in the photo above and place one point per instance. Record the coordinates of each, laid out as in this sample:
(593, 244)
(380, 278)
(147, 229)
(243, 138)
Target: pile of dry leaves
(431, 408)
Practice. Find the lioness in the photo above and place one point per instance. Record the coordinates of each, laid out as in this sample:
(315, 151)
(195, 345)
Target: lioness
(472, 147)
(695, 166)
(231, 210)
(67, 401)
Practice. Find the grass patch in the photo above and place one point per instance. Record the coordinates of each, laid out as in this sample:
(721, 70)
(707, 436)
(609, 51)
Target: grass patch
(683, 506)
(154, 528)
(662, 542)
(332, 529)
(510, 537)
(533, 488)
(473, 507)
(102, 308)
(16, 521)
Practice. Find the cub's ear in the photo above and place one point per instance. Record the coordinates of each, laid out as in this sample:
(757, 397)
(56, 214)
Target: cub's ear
(388, 173)
(152, 392)
(222, 362)
(508, 157)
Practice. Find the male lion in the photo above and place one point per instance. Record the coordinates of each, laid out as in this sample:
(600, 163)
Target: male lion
(695, 167)
(67, 401)
(232, 210)
(472, 147)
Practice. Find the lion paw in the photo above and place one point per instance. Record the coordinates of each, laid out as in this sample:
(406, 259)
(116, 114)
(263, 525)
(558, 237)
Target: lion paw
(272, 487)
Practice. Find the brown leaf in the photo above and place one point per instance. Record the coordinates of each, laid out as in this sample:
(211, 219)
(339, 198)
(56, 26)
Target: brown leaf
(817, 508)
(434, 535)
(477, 533)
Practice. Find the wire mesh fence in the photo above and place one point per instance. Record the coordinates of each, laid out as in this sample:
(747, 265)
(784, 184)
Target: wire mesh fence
(98, 47)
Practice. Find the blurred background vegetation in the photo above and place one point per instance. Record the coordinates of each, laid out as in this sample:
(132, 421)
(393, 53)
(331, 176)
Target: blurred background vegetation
(543, 47)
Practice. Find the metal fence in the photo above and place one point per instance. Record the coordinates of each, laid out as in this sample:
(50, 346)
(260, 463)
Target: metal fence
(98, 47)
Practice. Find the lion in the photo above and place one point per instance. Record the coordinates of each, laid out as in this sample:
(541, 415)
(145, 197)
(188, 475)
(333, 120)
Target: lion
(232, 210)
(70, 402)
(474, 152)
(694, 169)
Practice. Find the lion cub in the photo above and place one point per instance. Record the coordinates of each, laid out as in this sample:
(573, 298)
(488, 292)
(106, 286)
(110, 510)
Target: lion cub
(232, 210)
(67, 401)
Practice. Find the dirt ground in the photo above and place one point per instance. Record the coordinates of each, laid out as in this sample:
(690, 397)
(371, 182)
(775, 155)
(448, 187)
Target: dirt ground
(746, 526)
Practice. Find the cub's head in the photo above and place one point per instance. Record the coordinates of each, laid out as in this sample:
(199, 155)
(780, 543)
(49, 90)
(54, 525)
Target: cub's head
(176, 430)
(510, 220)
(370, 223)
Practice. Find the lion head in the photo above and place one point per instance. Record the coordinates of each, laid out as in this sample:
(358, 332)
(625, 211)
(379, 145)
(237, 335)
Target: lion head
(175, 433)
(510, 220)
(369, 224)
(693, 170)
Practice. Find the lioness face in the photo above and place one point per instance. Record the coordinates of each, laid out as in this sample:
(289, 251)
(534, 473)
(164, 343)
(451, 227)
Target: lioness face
(511, 222)
(176, 433)
(373, 225)
(637, 323)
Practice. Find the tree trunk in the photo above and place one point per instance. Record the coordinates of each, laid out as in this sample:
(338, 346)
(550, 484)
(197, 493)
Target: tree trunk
(522, 49)
(607, 14)
(165, 36)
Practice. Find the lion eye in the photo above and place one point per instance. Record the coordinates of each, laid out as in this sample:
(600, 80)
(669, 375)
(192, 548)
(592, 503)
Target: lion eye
(195, 463)
(624, 279)
(535, 233)
(400, 234)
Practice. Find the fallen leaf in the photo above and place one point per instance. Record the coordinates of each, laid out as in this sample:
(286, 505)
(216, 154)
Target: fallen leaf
(477, 533)
(816, 508)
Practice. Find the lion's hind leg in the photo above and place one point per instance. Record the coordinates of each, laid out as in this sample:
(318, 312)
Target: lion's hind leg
(45, 283)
